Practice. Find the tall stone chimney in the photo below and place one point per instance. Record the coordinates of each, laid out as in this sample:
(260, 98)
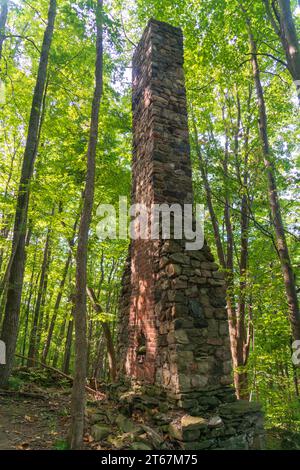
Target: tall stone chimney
(174, 330)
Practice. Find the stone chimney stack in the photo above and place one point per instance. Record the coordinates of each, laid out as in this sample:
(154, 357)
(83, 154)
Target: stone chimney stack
(174, 329)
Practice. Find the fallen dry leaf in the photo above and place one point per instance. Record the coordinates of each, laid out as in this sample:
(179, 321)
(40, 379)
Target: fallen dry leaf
(30, 419)
(23, 446)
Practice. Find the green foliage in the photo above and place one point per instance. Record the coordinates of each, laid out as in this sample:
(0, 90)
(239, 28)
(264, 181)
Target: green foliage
(61, 445)
(40, 377)
(15, 383)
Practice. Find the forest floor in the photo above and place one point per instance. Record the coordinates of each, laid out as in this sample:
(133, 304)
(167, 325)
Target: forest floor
(35, 415)
(35, 411)
(31, 423)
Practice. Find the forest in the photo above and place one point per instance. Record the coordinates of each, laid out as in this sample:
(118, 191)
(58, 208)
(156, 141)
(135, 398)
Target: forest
(66, 147)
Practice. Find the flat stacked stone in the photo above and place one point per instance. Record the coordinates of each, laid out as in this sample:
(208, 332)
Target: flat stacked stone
(173, 328)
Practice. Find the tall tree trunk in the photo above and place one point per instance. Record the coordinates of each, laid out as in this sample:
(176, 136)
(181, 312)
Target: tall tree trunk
(98, 364)
(107, 333)
(68, 346)
(41, 317)
(283, 24)
(17, 263)
(78, 390)
(32, 287)
(244, 339)
(32, 350)
(89, 346)
(282, 248)
(3, 18)
(60, 338)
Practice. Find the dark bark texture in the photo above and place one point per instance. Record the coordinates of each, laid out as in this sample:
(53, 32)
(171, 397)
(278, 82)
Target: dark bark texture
(80, 321)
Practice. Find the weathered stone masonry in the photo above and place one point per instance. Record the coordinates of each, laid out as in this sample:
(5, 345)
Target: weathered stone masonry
(173, 330)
